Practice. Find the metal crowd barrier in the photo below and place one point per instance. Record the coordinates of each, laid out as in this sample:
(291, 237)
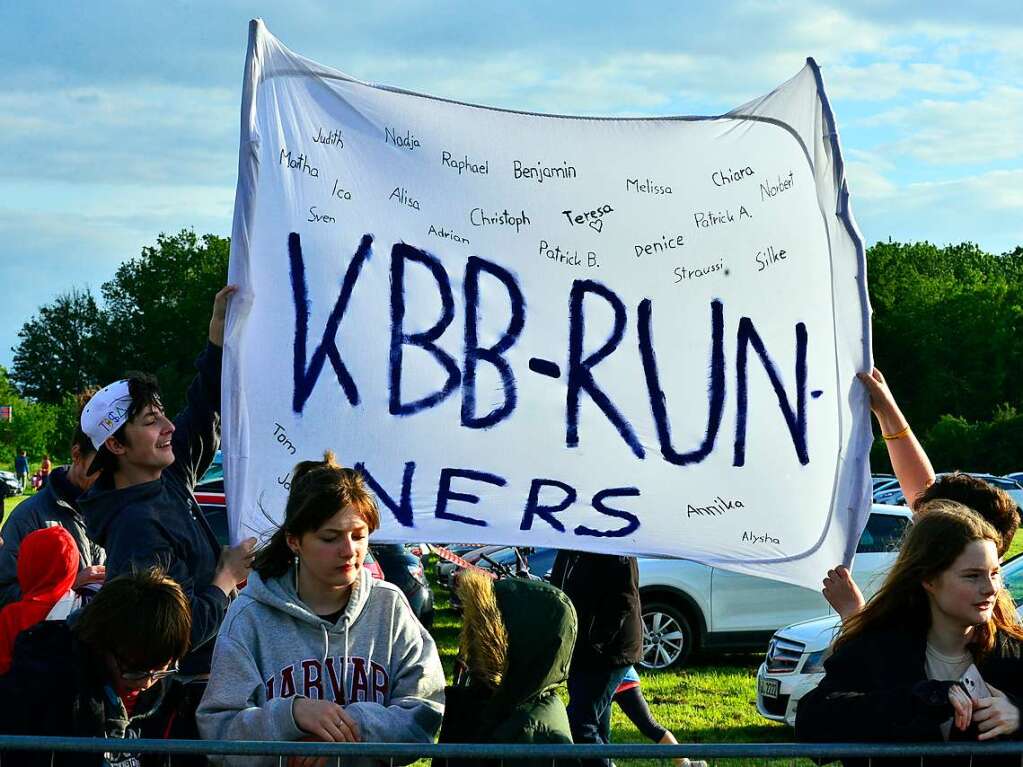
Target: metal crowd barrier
(1009, 752)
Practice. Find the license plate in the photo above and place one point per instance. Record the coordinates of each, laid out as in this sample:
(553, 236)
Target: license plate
(769, 688)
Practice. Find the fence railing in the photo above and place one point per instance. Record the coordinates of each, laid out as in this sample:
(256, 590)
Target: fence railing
(1009, 753)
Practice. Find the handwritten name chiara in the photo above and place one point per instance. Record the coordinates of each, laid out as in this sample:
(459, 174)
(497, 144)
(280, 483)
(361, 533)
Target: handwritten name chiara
(715, 509)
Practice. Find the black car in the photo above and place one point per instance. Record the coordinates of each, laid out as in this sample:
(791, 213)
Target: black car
(405, 570)
(9, 484)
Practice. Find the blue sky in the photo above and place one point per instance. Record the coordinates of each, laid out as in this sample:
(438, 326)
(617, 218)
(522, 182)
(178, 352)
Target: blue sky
(119, 120)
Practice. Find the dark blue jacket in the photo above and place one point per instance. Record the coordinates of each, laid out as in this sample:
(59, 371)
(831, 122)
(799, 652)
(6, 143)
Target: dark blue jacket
(55, 503)
(875, 690)
(21, 464)
(160, 522)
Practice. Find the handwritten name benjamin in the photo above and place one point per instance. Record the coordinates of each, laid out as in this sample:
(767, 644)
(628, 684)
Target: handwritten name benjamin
(541, 171)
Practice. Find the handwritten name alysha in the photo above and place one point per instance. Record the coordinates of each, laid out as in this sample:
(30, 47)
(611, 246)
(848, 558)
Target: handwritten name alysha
(715, 509)
(751, 537)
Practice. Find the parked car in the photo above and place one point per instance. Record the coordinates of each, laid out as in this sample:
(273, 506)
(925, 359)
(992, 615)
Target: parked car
(9, 484)
(506, 560)
(444, 568)
(688, 606)
(509, 559)
(405, 570)
(893, 495)
(209, 492)
(882, 482)
(794, 663)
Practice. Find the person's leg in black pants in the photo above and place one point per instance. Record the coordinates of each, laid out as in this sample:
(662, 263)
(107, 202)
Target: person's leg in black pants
(590, 693)
(635, 707)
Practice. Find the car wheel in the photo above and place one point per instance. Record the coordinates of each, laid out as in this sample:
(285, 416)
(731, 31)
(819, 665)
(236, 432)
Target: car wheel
(667, 636)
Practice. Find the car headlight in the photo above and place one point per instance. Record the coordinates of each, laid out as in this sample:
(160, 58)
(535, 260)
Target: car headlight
(814, 663)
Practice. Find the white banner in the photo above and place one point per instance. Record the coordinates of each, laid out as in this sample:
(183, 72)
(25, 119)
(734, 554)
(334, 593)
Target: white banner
(621, 335)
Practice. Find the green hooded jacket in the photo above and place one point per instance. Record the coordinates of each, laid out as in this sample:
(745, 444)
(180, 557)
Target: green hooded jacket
(524, 707)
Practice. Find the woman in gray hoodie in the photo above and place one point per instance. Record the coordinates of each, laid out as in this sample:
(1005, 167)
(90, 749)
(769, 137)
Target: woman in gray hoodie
(314, 648)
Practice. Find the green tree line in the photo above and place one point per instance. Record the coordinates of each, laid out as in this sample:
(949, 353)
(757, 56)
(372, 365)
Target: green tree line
(945, 326)
(154, 317)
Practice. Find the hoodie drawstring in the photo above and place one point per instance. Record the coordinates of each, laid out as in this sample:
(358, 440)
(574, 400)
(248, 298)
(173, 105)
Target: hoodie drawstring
(344, 663)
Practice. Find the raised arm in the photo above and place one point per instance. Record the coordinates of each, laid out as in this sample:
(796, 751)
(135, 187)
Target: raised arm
(197, 427)
(909, 461)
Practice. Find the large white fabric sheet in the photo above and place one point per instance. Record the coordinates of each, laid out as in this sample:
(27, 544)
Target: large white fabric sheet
(477, 261)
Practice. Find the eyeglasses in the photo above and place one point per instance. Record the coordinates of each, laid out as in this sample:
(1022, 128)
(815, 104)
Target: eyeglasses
(134, 677)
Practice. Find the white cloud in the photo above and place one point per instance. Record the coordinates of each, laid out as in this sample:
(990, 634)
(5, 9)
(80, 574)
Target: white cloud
(986, 208)
(153, 134)
(886, 80)
(967, 132)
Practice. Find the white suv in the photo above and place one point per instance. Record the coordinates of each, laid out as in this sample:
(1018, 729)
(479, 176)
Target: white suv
(687, 605)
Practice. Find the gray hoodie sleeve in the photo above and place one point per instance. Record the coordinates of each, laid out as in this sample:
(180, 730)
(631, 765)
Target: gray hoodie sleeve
(20, 523)
(228, 710)
(416, 705)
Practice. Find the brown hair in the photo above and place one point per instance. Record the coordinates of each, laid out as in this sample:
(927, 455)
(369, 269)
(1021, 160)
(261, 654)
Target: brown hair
(319, 490)
(144, 390)
(932, 544)
(992, 503)
(142, 618)
(79, 439)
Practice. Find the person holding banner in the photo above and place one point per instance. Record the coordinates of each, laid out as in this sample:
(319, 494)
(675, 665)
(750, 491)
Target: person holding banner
(314, 648)
(141, 509)
(937, 653)
(919, 486)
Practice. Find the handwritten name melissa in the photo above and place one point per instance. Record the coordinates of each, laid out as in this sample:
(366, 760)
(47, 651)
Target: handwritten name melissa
(646, 186)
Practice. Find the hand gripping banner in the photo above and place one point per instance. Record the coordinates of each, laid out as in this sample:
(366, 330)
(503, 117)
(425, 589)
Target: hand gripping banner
(619, 335)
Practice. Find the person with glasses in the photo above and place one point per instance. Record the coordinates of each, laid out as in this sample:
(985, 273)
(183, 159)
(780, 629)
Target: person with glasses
(102, 673)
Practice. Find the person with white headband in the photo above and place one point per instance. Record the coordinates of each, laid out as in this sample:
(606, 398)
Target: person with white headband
(141, 509)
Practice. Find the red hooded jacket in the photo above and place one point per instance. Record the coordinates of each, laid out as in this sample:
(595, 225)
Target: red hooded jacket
(47, 568)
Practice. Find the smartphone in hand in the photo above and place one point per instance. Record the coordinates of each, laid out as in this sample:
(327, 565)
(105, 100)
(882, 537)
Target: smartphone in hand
(974, 683)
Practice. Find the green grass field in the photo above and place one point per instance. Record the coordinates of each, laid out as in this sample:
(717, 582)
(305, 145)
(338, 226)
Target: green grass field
(10, 503)
(709, 701)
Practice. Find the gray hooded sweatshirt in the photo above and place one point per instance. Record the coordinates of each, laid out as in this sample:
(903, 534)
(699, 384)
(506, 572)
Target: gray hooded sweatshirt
(377, 661)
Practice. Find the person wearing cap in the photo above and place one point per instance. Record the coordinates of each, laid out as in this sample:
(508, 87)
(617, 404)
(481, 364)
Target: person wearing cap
(142, 510)
(56, 504)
